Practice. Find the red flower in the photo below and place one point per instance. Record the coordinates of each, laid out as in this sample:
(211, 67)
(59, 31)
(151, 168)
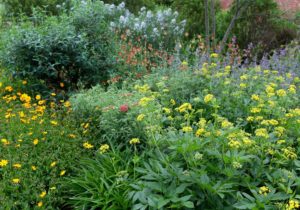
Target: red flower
(124, 108)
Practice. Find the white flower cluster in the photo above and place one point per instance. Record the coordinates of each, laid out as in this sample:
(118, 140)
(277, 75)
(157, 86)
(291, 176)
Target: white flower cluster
(160, 27)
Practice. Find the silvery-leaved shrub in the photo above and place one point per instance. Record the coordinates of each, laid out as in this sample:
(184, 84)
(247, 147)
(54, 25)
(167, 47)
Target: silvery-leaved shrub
(161, 28)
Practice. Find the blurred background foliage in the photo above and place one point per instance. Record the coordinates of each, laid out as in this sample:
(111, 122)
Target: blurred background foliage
(263, 24)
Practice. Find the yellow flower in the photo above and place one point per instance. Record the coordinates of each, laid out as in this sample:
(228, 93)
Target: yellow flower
(38, 97)
(61, 84)
(281, 92)
(16, 181)
(234, 144)
(255, 110)
(5, 141)
(264, 190)
(144, 101)
(226, 124)
(25, 98)
(184, 107)
(43, 194)
(262, 132)
(87, 145)
(208, 98)
(40, 204)
(17, 165)
(134, 141)
(289, 153)
(24, 82)
(140, 117)
(250, 119)
(9, 88)
(35, 141)
(227, 68)
(67, 104)
(53, 94)
(214, 55)
(53, 164)
(270, 90)
(166, 110)
(172, 101)
(62, 172)
(3, 163)
(184, 63)
(243, 85)
(187, 129)
(244, 77)
(104, 148)
(54, 122)
(200, 132)
(292, 89)
(33, 168)
(72, 136)
(293, 204)
(255, 97)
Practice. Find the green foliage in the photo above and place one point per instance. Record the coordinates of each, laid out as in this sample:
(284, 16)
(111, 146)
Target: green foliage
(111, 124)
(20, 7)
(100, 183)
(266, 21)
(213, 137)
(73, 49)
(134, 7)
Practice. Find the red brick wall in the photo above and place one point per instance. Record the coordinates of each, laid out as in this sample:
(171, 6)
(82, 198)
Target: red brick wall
(285, 5)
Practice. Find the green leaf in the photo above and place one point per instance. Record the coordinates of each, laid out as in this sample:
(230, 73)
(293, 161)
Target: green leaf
(188, 204)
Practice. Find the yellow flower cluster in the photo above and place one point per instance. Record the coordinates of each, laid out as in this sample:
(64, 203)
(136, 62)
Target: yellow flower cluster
(264, 190)
(292, 204)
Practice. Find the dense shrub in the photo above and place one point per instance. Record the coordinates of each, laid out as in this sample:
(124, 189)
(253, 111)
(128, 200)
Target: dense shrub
(19, 7)
(114, 114)
(62, 49)
(266, 21)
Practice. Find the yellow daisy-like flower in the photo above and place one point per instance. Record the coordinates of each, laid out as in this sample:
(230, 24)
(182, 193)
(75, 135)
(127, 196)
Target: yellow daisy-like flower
(33, 168)
(38, 97)
(35, 141)
(62, 172)
(53, 164)
(16, 181)
(87, 145)
(40, 204)
(17, 165)
(134, 141)
(43, 194)
(3, 163)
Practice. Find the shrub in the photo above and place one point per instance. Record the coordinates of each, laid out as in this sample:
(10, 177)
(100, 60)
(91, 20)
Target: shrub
(19, 7)
(114, 114)
(65, 50)
(266, 21)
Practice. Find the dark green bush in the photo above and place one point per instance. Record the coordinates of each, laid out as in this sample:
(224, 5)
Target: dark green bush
(68, 49)
(263, 25)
